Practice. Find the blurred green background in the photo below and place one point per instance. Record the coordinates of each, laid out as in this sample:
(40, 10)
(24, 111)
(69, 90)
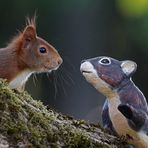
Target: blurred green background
(81, 29)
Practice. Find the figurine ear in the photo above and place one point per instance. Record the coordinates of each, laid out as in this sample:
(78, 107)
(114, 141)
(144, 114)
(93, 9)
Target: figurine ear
(29, 34)
(128, 67)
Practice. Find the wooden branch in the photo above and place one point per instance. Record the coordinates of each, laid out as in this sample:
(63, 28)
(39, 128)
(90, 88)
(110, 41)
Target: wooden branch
(25, 122)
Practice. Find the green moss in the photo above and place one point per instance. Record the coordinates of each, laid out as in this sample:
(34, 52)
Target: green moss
(25, 120)
(78, 139)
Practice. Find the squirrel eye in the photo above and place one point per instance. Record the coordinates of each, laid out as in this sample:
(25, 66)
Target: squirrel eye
(105, 61)
(42, 50)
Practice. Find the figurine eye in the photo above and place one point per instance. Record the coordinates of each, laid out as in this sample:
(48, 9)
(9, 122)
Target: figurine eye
(42, 50)
(105, 61)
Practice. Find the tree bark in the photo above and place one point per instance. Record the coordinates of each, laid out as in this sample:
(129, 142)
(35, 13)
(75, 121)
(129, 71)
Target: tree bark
(27, 123)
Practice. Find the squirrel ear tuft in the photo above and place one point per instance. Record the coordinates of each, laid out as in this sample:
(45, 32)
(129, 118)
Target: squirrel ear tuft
(29, 33)
(128, 67)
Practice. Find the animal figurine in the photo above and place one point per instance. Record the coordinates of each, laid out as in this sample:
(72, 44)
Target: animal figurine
(125, 111)
(27, 53)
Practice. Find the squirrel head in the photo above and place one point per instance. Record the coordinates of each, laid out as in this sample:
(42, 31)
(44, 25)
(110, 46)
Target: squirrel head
(107, 74)
(33, 52)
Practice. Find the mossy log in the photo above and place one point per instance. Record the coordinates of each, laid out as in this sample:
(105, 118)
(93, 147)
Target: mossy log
(27, 123)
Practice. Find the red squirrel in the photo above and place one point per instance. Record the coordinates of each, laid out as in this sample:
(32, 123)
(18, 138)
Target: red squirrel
(27, 53)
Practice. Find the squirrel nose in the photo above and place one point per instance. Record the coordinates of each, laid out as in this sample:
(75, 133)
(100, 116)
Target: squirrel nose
(59, 61)
(56, 63)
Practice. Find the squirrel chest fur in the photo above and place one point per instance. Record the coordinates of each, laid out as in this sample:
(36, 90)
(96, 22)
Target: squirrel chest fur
(125, 110)
(27, 53)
